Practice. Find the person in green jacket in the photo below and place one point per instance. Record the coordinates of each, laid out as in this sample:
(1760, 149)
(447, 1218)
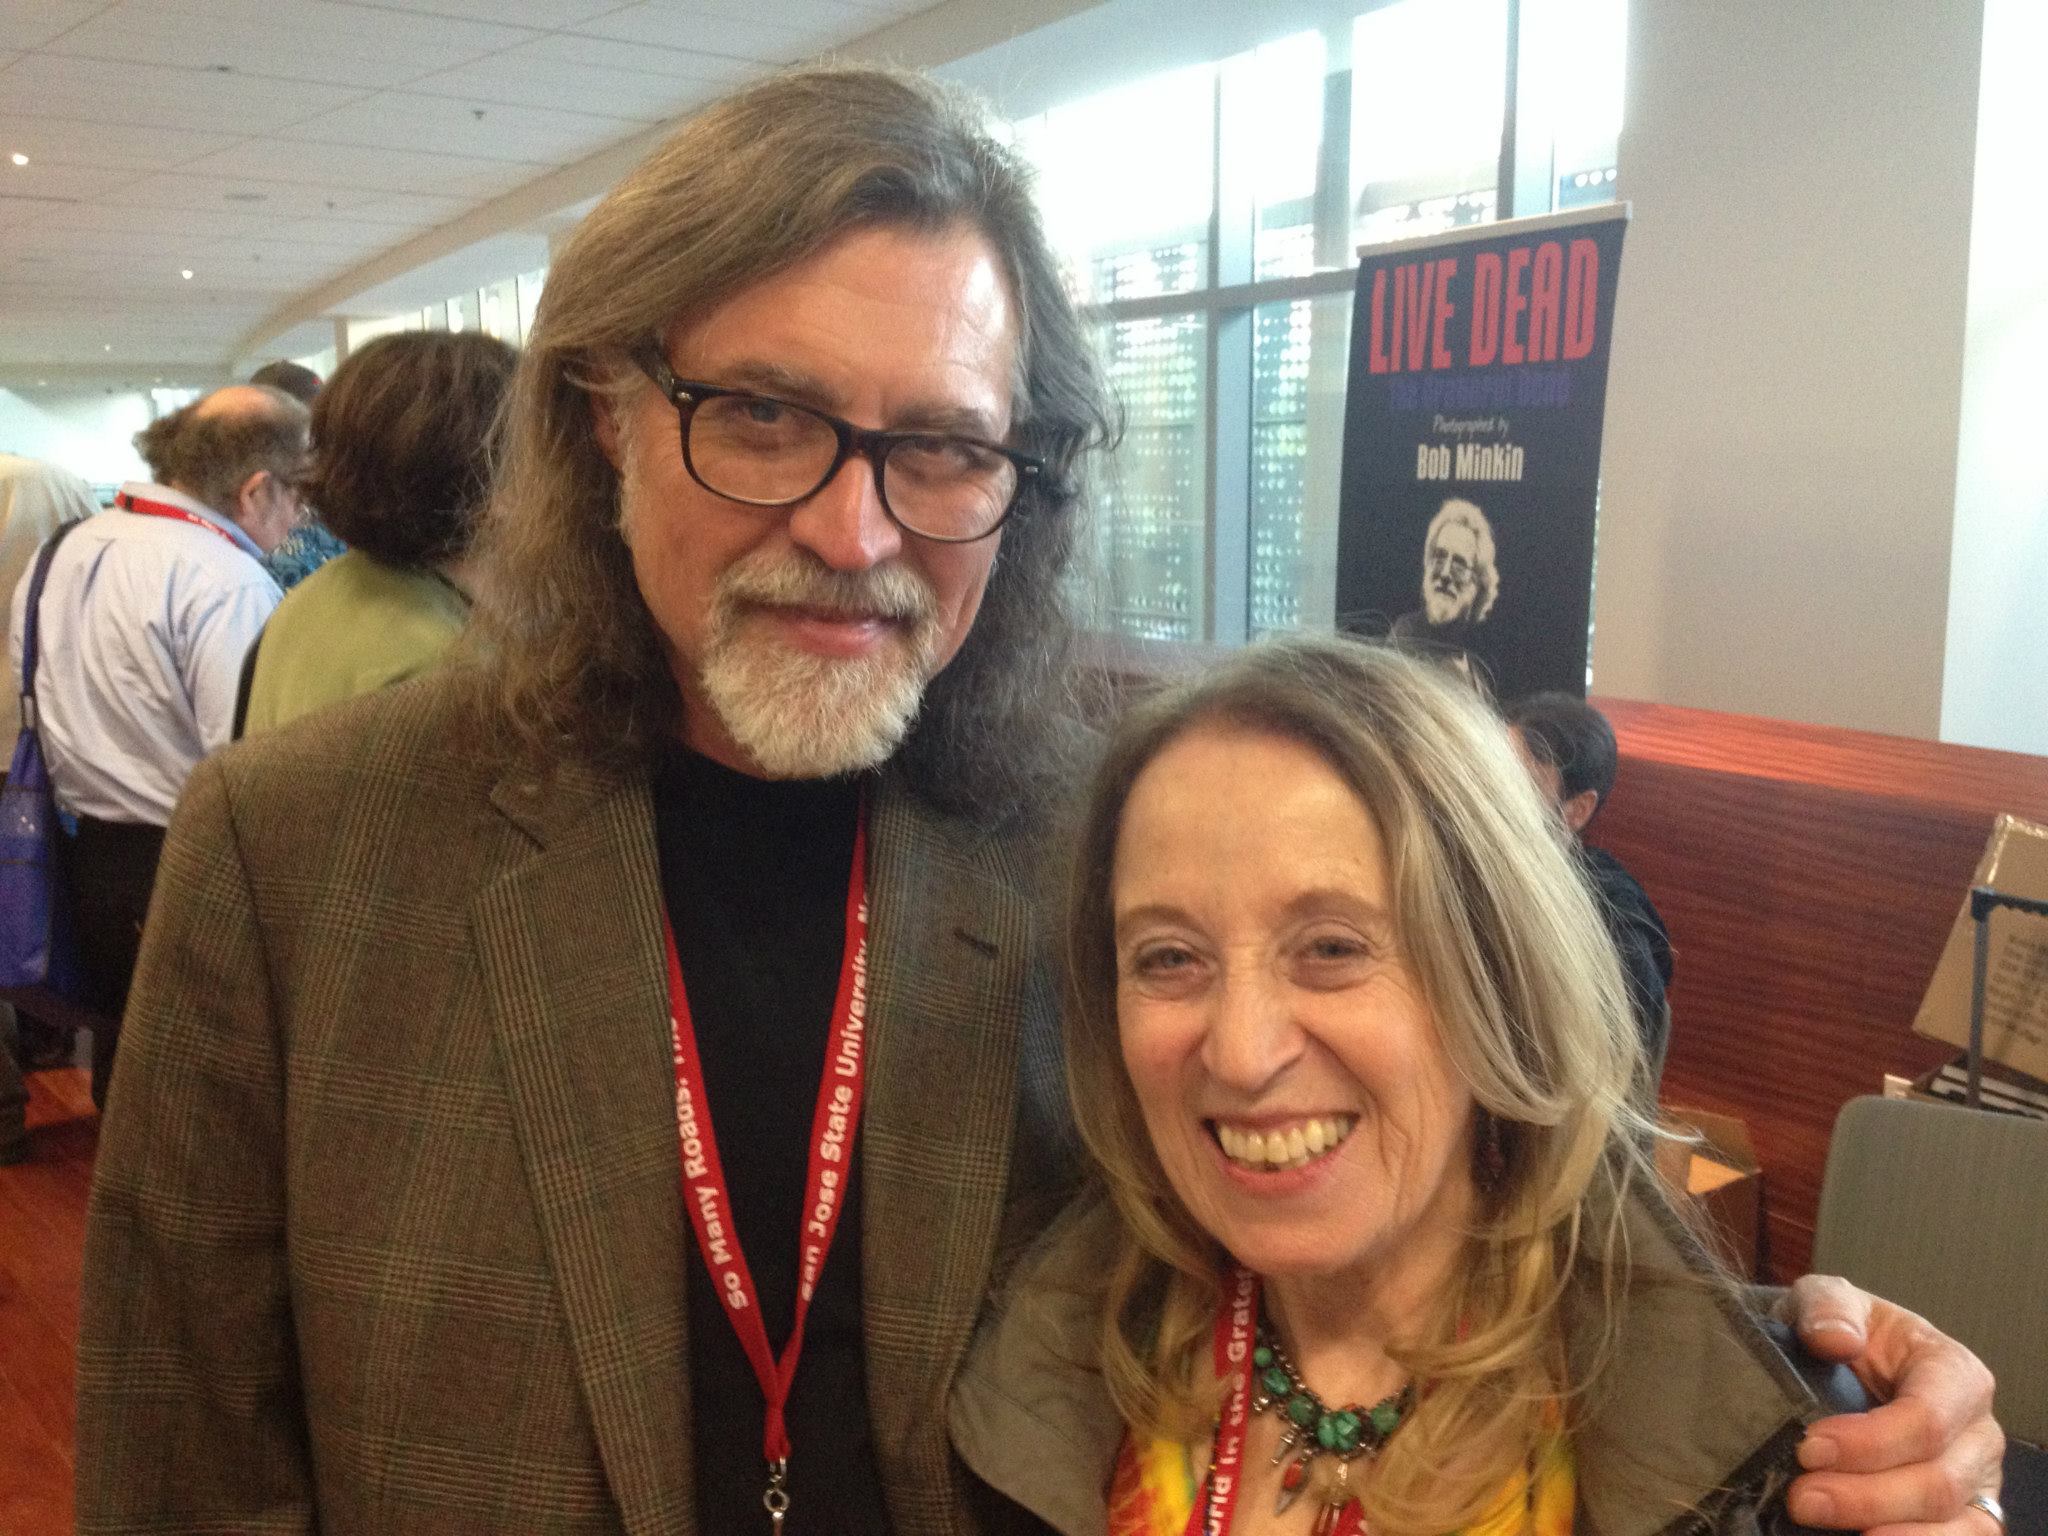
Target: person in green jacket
(401, 468)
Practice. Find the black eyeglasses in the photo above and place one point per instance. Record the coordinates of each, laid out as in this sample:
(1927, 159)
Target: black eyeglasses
(765, 452)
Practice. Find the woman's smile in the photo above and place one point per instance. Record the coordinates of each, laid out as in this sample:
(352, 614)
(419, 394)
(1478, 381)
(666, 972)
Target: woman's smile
(1285, 1060)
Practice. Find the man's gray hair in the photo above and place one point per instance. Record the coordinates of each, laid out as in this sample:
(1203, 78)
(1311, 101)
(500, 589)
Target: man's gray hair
(752, 186)
(209, 454)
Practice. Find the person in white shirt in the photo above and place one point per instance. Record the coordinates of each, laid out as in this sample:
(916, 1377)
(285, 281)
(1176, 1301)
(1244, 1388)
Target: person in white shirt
(34, 499)
(146, 616)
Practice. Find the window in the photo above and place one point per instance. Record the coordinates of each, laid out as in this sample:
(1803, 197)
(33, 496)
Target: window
(529, 301)
(498, 306)
(1126, 186)
(1571, 94)
(1299, 351)
(1425, 139)
(1211, 218)
(1153, 553)
(361, 332)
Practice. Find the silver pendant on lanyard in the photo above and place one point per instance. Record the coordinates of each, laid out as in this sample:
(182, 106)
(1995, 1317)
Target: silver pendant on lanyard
(776, 1499)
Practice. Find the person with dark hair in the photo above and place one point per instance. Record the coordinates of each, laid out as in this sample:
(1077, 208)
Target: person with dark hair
(1569, 749)
(310, 545)
(295, 379)
(146, 615)
(401, 469)
(593, 1087)
(749, 773)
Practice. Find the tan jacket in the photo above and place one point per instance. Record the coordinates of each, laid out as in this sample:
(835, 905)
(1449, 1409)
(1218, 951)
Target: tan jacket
(386, 1232)
(1694, 1430)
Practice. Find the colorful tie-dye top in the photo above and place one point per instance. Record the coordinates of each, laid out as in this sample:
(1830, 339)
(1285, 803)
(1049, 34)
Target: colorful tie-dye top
(1154, 1489)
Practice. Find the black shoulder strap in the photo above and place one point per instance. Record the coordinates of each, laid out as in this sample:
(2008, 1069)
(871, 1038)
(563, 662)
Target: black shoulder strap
(244, 684)
(30, 621)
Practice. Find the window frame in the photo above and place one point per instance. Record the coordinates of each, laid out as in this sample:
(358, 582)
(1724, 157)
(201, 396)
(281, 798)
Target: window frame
(1227, 303)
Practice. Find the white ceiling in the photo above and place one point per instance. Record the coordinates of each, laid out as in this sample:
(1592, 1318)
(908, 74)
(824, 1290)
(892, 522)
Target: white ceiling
(273, 146)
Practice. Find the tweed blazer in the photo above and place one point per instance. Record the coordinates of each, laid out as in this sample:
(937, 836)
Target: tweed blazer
(386, 1231)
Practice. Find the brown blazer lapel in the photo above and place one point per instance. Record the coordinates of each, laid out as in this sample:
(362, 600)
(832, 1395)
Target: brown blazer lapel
(952, 946)
(570, 946)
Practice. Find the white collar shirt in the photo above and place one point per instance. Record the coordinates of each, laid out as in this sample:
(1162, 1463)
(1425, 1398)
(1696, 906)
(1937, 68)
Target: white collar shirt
(144, 624)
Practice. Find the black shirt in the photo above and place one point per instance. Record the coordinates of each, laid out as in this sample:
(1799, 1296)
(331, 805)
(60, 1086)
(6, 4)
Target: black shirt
(754, 874)
(1640, 936)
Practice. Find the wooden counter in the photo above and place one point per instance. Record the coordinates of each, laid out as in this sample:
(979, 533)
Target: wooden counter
(1809, 876)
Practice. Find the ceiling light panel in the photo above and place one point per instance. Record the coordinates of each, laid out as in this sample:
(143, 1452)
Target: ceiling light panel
(404, 120)
(339, 130)
(539, 14)
(691, 27)
(200, 189)
(609, 53)
(153, 96)
(75, 134)
(629, 99)
(64, 183)
(28, 24)
(287, 40)
(368, 169)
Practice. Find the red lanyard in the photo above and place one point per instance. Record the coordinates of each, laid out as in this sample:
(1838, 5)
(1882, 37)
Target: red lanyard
(833, 1128)
(1236, 1328)
(148, 508)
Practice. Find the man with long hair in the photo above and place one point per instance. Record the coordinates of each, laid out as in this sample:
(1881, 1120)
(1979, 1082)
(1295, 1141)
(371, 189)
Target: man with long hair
(591, 1088)
(1460, 584)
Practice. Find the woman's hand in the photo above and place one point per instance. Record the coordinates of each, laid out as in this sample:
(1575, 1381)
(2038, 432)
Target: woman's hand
(1908, 1467)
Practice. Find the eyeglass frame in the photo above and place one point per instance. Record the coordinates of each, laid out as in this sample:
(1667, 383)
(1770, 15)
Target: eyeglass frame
(871, 443)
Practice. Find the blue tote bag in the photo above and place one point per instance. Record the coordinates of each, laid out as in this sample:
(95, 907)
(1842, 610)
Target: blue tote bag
(36, 954)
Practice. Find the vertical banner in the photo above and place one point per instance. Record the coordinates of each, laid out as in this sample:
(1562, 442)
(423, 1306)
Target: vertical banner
(1472, 445)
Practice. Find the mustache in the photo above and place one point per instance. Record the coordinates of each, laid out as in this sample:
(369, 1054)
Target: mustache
(801, 580)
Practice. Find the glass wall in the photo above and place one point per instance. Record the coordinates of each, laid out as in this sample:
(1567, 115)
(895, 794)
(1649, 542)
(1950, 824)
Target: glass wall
(505, 309)
(1151, 525)
(1425, 140)
(1211, 216)
(498, 310)
(1127, 187)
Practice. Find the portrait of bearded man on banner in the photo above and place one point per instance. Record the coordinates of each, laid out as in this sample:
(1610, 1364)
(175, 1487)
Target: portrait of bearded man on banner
(1460, 584)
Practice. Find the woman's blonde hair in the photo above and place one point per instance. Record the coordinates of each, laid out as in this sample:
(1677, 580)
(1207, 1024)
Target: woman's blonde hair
(1523, 983)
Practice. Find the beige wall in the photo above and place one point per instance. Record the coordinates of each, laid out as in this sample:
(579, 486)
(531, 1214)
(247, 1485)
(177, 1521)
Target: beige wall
(1780, 463)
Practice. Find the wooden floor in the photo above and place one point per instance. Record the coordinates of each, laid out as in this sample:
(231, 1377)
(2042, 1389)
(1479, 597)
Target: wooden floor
(42, 1234)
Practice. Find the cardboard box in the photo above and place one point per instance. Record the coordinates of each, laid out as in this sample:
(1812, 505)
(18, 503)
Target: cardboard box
(2016, 979)
(1721, 1178)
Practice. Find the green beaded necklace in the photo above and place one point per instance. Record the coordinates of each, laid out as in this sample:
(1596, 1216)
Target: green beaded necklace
(1311, 1429)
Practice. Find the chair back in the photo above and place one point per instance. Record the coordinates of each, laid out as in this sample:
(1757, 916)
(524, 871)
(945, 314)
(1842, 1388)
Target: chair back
(1945, 1210)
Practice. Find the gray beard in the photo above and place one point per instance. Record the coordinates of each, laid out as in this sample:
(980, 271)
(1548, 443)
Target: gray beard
(803, 716)
(1445, 610)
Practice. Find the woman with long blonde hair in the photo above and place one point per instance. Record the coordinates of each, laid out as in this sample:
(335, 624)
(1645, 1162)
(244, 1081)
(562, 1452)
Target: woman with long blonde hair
(1374, 1245)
